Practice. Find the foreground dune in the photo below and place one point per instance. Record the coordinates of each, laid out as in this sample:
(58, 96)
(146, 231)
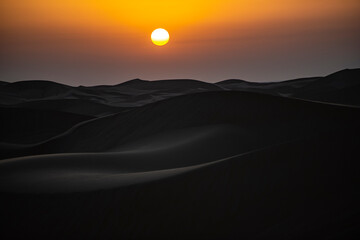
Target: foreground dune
(276, 191)
(76, 172)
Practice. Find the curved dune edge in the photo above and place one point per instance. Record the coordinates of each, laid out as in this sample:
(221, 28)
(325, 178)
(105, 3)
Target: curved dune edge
(85, 180)
(150, 159)
(110, 132)
(67, 181)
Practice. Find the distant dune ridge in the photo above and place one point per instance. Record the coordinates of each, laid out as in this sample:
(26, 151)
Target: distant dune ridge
(181, 159)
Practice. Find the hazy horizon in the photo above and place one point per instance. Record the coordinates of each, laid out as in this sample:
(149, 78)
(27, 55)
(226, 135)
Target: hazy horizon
(91, 42)
(216, 81)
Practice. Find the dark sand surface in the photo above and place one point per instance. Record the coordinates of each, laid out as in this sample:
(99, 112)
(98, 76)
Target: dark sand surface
(181, 159)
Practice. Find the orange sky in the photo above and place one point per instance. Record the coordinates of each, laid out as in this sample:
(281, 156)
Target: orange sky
(108, 41)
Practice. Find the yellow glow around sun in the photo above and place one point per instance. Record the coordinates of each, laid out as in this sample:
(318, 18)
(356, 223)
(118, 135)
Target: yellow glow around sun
(160, 37)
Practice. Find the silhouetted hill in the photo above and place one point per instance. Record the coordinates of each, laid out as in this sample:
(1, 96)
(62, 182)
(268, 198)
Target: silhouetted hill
(36, 88)
(340, 87)
(175, 84)
(133, 82)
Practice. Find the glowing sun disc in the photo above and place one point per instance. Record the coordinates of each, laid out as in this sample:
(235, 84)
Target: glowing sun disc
(160, 37)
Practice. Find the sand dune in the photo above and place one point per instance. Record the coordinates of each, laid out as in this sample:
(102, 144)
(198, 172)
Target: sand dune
(36, 89)
(77, 106)
(340, 87)
(280, 119)
(176, 85)
(140, 92)
(23, 125)
(131, 93)
(261, 194)
(176, 149)
(181, 159)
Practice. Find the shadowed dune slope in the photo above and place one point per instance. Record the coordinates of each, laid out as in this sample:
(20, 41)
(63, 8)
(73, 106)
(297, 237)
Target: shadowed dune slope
(21, 125)
(77, 106)
(176, 84)
(94, 171)
(293, 190)
(341, 87)
(24, 91)
(140, 92)
(267, 118)
(34, 89)
(209, 164)
(131, 93)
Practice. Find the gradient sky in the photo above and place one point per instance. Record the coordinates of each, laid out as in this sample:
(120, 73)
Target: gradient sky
(90, 42)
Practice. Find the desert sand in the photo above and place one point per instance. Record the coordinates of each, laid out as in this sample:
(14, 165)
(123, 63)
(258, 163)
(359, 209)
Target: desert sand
(181, 159)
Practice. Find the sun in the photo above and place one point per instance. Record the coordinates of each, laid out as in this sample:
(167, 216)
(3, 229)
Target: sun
(160, 37)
